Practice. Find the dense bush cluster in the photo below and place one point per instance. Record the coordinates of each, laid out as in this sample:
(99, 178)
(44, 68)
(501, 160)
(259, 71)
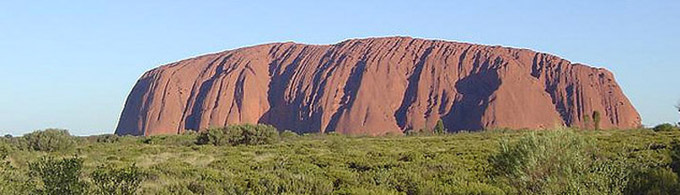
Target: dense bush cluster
(112, 180)
(49, 175)
(55, 176)
(246, 134)
(107, 138)
(556, 162)
(11, 179)
(665, 127)
(49, 140)
(653, 181)
(256, 159)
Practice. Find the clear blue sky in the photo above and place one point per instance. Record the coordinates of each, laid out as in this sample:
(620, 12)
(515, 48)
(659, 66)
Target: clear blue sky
(71, 64)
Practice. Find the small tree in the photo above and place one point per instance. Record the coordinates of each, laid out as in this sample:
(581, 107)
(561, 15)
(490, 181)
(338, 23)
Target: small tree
(439, 127)
(117, 181)
(586, 121)
(58, 176)
(596, 119)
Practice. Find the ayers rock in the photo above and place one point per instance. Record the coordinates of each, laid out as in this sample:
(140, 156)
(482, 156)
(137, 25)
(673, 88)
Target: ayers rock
(374, 86)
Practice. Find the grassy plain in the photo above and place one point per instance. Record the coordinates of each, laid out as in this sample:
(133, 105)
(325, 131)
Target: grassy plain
(456, 163)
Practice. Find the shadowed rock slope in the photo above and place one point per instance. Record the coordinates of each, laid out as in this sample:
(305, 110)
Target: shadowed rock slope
(374, 86)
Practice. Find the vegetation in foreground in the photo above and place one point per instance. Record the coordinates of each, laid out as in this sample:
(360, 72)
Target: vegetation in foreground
(257, 159)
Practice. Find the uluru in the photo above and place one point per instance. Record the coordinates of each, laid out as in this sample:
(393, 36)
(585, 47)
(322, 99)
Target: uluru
(374, 86)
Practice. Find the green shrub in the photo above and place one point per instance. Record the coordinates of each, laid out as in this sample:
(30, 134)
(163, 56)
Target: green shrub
(288, 134)
(49, 140)
(653, 181)
(58, 176)
(12, 181)
(176, 140)
(108, 138)
(214, 136)
(439, 128)
(246, 134)
(675, 156)
(5, 149)
(214, 183)
(665, 127)
(609, 175)
(419, 132)
(120, 181)
(553, 162)
(254, 134)
(596, 119)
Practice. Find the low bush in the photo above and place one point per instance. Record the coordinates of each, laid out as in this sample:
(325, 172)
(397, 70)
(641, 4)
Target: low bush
(111, 180)
(108, 138)
(5, 149)
(419, 132)
(246, 134)
(213, 136)
(288, 135)
(11, 180)
(554, 162)
(665, 127)
(175, 140)
(58, 176)
(653, 181)
(675, 156)
(49, 140)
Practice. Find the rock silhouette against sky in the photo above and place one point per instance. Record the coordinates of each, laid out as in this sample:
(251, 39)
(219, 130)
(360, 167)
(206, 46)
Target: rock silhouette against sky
(374, 86)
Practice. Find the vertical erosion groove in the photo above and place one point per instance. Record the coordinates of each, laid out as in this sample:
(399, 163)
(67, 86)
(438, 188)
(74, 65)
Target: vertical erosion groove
(193, 120)
(411, 93)
(350, 91)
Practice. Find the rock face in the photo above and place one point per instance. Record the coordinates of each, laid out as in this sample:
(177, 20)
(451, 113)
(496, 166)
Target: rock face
(374, 86)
